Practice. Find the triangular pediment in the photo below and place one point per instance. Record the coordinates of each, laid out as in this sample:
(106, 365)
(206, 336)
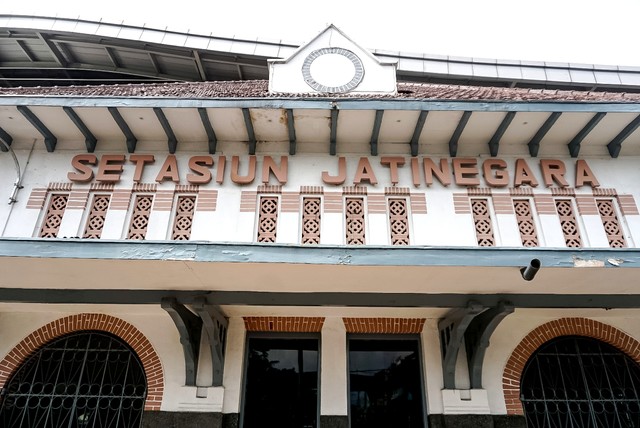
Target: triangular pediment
(332, 63)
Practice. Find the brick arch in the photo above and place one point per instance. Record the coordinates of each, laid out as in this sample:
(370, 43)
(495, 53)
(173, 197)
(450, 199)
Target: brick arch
(542, 334)
(87, 321)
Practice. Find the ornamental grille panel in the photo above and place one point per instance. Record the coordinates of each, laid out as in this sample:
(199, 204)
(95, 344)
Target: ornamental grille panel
(140, 217)
(268, 219)
(526, 225)
(611, 224)
(97, 214)
(311, 220)
(398, 221)
(53, 217)
(355, 221)
(86, 379)
(184, 218)
(482, 222)
(580, 382)
(568, 223)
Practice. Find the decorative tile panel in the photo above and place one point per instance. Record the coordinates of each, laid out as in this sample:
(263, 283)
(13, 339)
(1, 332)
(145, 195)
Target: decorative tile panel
(398, 221)
(268, 219)
(355, 221)
(140, 217)
(482, 222)
(96, 217)
(53, 216)
(526, 225)
(183, 221)
(610, 223)
(311, 220)
(568, 223)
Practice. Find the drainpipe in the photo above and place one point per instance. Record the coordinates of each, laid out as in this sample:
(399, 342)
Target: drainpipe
(17, 185)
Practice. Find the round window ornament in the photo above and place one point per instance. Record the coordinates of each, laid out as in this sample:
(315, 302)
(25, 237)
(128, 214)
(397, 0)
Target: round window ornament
(332, 70)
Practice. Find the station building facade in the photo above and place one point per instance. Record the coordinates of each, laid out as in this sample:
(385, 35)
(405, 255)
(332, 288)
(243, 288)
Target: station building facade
(329, 247)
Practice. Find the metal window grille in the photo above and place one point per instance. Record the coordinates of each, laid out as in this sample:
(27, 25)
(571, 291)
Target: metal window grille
(268, 219)
(398, 221)
(580, 382)
(184, 218)
(97, 215)
(355, 221)
(482, 222)
(311, 220)
(611, 224)
(86, 379)
(568, 223)
(526, 225)
(53, 216)
(140, 217)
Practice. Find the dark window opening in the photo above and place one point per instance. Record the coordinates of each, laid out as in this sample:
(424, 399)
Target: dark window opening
(385, 384)
(576, 382)
(281, 383)
(82, 380)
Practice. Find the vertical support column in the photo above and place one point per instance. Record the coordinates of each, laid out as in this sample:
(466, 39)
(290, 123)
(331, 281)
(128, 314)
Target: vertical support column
(233, 368)
(334, 397)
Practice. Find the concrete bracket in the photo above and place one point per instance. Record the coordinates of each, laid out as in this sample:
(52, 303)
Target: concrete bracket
(452, 330)
(189, 327)
(215, 325)
(477, 338)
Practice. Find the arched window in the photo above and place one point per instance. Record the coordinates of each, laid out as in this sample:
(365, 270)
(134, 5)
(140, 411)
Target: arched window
(84, 379)
(576, 382)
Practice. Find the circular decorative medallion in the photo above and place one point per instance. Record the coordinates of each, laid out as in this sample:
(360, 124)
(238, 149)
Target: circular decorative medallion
(334, 70)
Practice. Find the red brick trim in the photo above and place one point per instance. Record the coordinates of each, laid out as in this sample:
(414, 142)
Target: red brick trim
(125, 331)
(384, 325)
(284, 324)
(207, 200)
(59, 187)
(502, 203)
(461, 203)
(418, 203)
(290, 202)
(333, 202)
(376, 203)
(542, 334)
(248, 201)
(36, 198)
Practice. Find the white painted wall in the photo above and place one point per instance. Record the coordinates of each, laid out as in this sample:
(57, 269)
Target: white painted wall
(440, 227)
(19, 320)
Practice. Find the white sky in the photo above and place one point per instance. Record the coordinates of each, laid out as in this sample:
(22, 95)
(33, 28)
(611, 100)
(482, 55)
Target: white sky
(578, 31)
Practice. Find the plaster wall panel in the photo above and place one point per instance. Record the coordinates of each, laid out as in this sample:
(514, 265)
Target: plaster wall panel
(432, 370)
(419, 229)
(354, 127)
(114, 224)
(233, 365)
(224, 228)
(245, 228)
(158, 227)
(594, 231)
(550, 228)
(270, 125)
(332, 229)
(203, 226)
(288, 228)
(186, 125)
(144, 124)
(632, 233)
(508, 227)
(377, 229)
(313, 126)
(398, 126)
(333, 368)
(72, 224)
(228, 124)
